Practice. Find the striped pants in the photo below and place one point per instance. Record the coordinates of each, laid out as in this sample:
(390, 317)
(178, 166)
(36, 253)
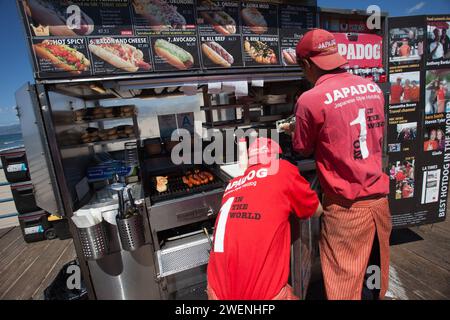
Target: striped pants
(348, 232)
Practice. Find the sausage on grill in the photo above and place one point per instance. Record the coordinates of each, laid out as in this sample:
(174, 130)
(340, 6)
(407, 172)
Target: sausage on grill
(209, 175)
(187, 182)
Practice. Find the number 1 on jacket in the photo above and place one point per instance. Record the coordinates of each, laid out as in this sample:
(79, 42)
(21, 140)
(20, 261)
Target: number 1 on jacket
(361, 120)
(221, 225)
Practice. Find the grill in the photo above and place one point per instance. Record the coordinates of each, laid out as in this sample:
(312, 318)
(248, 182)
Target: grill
(183, 212)
(176, 188)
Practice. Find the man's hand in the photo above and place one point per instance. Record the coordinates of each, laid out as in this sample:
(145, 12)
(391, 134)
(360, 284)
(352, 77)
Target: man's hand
(319, 211)
(288, 128)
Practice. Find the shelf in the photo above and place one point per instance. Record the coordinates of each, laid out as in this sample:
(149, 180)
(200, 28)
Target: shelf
(235, 106)
(229, 106)
(225, 124)
(102, 120)
(273, 104)
(271, 118)
(228, 124)
(99, 143)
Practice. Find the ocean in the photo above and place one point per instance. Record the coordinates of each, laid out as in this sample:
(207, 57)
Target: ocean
(10, 141)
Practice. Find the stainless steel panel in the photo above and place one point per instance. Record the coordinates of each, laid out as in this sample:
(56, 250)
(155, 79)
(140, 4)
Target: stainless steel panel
(121, 274)
(301, 255)
(125, 275)
(38, 154)
(148, 80)
(188, 253)
(305, 236)
(171, 214)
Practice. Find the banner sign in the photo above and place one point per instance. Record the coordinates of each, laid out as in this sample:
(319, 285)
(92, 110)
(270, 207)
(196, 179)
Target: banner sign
(361, 49)
(418, 118)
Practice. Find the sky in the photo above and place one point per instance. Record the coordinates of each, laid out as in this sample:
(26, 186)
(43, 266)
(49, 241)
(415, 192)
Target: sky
(15, 64)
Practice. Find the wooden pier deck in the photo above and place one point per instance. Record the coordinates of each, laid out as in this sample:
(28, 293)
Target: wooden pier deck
(420, 267)
(26, 269)
(420, 260)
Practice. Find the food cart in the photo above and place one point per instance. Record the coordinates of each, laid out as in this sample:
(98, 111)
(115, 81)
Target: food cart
(115, 89)
(93, 124)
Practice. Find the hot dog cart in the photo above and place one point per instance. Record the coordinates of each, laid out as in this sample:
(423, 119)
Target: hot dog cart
(116, 96)
(170, 261)
(99, 133)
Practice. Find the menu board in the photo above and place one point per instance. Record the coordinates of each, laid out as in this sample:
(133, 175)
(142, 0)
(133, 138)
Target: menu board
(50, 52)
(106, 53)
(261, 51)
(221, 51)
(218, 18)
(175, 53)
(418, 111)
(259, 18)
(294, 20)
(169, 17)
(81, 38)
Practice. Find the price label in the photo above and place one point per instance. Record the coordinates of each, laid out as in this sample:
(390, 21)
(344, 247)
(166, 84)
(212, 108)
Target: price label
(16, 167)
(182, 39)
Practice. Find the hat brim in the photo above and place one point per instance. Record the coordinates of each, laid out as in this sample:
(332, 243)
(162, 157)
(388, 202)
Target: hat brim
(329, 62)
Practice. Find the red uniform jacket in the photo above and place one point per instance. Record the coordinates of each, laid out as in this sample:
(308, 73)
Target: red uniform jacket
(342, 120)
(396, 93)
(252, 238)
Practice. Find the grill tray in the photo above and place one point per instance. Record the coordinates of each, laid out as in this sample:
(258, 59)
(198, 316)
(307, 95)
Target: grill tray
(177, 188)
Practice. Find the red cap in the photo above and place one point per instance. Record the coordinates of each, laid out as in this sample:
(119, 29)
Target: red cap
(320, 46)
(262, 150)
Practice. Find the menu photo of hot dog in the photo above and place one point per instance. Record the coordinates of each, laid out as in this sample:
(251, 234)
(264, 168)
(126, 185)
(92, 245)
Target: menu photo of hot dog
(53, 18)
(175, 53)
(289, 57)
(259, 18)
(221, 52)
(61, 55)
(216, 17)
(165, 17)
(261, 51)
(120, 54)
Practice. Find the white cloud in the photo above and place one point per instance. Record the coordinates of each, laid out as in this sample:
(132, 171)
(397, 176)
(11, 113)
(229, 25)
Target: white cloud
(417, 7)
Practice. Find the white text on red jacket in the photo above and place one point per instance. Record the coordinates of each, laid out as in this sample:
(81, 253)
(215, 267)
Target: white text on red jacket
(351, 91)
(247, 180)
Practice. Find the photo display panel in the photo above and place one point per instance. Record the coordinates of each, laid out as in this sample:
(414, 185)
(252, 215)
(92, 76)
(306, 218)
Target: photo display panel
(418, 119)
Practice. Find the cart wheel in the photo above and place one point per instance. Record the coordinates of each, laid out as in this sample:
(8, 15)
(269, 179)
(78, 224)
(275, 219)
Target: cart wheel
(50, 234)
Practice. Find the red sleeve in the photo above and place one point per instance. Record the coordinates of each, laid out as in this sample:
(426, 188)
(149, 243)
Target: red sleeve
(304, 200)
(306, 130)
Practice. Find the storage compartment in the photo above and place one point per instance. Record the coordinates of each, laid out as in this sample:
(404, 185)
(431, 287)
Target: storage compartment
(15, 166)
(23, 195)
(34, 226)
